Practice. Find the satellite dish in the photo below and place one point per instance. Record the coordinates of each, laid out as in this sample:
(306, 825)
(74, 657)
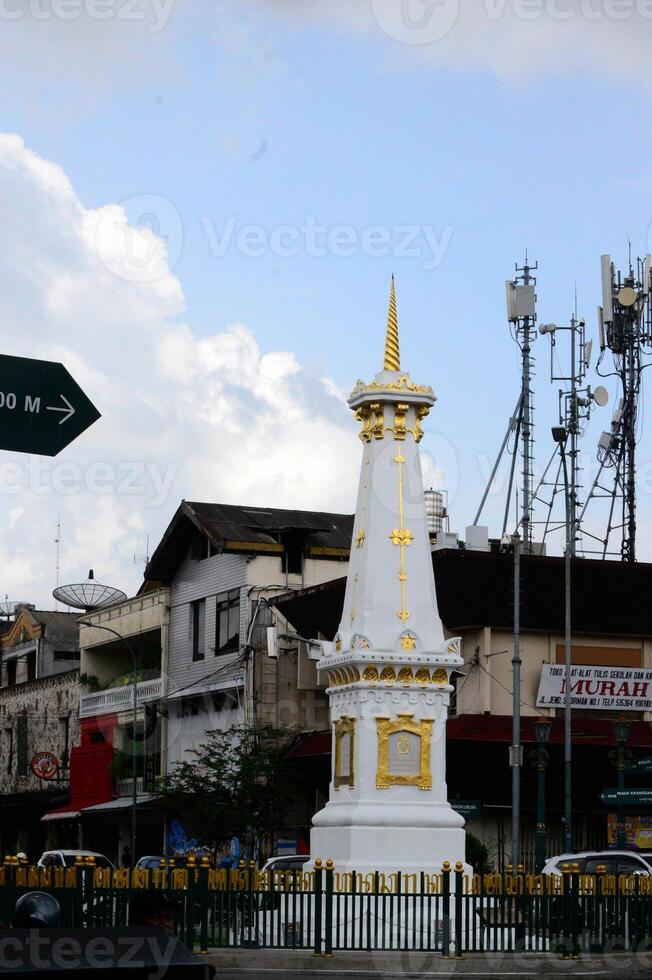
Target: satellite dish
(600, 396)
(627, 296)
(547, 328)
(88, 595)
(588, 348)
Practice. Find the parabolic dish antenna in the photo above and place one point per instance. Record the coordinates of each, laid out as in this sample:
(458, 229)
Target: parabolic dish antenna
(600, 396)
(88, 595)
(8, 607)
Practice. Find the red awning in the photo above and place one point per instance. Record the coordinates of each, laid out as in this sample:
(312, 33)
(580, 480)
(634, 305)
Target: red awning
(315, 743)
(586, 731)
(498, 728)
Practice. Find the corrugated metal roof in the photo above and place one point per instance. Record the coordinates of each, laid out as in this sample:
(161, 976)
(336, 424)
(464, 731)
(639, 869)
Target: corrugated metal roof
(230, 522)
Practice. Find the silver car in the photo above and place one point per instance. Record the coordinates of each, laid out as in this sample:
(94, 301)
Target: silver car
(615, 862)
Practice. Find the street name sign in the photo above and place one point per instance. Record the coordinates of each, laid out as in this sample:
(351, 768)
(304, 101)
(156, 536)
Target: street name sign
(627, 797)
(42, 408)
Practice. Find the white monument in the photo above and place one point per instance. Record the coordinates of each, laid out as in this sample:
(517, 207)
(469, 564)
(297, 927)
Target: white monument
(389, 667)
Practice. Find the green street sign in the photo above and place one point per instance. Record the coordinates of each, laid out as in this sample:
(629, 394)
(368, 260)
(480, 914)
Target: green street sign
(627, 797)
(644, 764)
(467, 808)
(42, 408)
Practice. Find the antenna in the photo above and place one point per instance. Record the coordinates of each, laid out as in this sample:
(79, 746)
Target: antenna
(626, 330)
(575, 403)
(88, 595)
(143, 559)
(57, 566)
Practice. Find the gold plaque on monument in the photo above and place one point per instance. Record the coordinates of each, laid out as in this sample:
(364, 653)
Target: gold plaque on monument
(404, 752)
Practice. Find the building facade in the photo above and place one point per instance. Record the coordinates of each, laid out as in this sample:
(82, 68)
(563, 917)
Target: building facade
(39, 723)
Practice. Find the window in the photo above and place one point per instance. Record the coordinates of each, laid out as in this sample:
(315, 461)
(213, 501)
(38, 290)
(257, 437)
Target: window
(64, 738)
(227, 622)
(198, 626)
(11, 672)
(21, 746)
(31, 665)
(66, 655)
(9, 742)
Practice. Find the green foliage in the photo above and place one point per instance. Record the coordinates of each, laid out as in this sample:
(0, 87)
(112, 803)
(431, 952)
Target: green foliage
(476, 854)
(237, 783)
(91, 682)
(120, 765)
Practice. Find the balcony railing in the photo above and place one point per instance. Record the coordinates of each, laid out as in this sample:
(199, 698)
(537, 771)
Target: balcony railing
(123, 787)
(119, 698)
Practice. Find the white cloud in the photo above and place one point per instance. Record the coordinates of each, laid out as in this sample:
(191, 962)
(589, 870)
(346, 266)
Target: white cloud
(511, 38)
(209, 418)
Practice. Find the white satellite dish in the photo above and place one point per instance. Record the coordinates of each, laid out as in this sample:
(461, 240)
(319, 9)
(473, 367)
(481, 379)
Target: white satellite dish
(588, 348)
(600, 396)
(627, 296)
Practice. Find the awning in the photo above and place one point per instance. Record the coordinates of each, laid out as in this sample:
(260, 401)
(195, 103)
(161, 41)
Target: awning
(585, 731)
(314, 743)
(122, 803)
(61, 813)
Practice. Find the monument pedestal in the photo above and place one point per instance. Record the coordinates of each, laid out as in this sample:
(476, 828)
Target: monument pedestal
(388, 808)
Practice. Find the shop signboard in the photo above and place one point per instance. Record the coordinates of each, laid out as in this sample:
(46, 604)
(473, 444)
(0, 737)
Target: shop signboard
(597, 688)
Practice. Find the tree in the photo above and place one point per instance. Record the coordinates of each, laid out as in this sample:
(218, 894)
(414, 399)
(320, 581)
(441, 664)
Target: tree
(238, 783)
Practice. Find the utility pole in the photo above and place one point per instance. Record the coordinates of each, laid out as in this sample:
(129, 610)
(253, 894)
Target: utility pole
(516, 749)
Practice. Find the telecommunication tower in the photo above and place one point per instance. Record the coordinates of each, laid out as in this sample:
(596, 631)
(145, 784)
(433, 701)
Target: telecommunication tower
(521, 314)
(625, 324)
(575, 403)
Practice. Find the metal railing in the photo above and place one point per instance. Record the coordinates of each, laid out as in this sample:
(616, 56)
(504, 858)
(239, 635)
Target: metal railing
(119, 698)
(446, 913)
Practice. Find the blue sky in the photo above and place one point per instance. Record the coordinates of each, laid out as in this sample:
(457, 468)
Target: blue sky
(276, 114)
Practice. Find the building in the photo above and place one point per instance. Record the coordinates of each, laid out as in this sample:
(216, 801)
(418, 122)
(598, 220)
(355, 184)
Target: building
(611, 632)
(130, 635)
(198, 629)
(39, 724)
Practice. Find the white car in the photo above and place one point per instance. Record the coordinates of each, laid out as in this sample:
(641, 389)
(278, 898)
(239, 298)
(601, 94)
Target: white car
(615, 862)
(67, 859)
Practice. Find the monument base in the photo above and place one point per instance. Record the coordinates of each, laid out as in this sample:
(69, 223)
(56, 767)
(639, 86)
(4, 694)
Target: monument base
(371, 837)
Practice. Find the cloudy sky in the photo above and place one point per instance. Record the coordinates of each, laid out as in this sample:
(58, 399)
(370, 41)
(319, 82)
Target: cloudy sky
(202, 205)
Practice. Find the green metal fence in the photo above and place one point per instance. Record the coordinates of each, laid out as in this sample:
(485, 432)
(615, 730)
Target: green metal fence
(322, 910)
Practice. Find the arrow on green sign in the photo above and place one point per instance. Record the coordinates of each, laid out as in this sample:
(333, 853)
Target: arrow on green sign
(42, 408)
(627, 797)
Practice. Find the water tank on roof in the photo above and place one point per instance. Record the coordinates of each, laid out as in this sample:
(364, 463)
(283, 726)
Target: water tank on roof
(435, 510)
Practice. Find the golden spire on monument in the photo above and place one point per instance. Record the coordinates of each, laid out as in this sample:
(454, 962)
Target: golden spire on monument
(392, 353)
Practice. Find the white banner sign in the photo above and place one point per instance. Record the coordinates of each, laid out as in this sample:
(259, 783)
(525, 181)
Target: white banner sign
(615, 688)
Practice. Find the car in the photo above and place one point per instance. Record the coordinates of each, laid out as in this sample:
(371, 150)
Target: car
(615, 862)
(68, 859)
(152, 861)
(286, 862)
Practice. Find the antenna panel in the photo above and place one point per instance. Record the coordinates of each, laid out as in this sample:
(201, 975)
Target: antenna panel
(647, 269)
(607, 301)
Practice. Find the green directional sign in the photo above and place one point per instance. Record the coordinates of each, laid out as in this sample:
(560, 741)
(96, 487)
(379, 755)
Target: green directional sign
(467, 808)
(42, 408)
(627, 797)
(644, 764)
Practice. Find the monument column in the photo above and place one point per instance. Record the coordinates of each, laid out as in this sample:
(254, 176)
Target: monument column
(388, 669)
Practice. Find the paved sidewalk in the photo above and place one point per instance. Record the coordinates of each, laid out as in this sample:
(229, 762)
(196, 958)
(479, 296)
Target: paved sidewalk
(276, 963)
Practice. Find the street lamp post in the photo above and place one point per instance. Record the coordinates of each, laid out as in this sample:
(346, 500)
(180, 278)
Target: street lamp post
(620, 757)
(542, 728)
(560, 435)
(134, 709)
